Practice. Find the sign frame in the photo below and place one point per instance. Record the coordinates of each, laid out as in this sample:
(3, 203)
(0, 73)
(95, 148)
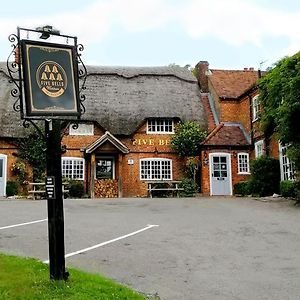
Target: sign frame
(51, 86)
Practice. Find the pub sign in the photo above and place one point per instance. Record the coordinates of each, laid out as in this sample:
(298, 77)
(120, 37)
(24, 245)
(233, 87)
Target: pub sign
(50, 79)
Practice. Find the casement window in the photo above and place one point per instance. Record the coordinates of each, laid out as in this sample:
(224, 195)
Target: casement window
(256, 108)
(160, 126)
(287, 167)
(72, 168)
(259, 148)
(81, 129)
(243, 163)
(156, 169)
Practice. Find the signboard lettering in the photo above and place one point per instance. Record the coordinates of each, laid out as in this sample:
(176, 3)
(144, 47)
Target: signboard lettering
(151, 142)
(50, 187)
(50, 79)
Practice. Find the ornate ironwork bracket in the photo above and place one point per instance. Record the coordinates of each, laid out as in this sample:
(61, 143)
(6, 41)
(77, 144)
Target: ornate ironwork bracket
(82, 74)
(15, 73)
(16, 77)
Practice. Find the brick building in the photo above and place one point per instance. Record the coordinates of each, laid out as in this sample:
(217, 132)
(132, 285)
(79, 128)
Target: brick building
(123, 139)
(231, 102)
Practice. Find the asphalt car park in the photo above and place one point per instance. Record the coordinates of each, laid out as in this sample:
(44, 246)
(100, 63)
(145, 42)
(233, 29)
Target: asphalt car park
(178, 248)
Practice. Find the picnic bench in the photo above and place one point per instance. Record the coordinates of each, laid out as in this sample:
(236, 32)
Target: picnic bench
(164, 185)
(37, 190)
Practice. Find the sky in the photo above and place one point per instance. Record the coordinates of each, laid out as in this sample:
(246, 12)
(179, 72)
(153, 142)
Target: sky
(229, 34)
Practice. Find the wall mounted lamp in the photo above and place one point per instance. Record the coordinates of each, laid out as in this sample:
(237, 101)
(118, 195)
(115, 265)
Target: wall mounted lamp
(205, 159)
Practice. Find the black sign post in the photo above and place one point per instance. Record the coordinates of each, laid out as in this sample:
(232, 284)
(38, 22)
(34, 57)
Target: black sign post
(47, 89)
(55, 202)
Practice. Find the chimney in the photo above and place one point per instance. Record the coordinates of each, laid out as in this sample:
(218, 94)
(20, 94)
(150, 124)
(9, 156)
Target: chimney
(201, 74)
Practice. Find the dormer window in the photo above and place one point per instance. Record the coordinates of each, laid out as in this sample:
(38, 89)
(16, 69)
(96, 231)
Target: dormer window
(81, 129)
(160, 126)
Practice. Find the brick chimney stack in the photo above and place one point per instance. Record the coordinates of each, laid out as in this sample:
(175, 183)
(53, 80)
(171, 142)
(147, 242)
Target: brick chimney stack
(201, 74)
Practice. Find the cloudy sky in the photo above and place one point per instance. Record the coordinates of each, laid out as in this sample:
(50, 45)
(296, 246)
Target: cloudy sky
(229, 34)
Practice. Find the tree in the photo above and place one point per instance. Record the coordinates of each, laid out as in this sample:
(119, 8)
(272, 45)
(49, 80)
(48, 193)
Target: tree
(32, 150)
(187, 138)
(280, 98)
(187, 142)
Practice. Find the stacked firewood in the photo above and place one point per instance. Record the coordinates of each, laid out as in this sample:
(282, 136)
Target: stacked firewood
(106, 188)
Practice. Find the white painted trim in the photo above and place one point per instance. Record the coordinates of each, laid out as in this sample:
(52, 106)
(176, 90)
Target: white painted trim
(155, 159)
(258, 143)
(211, 155)
(289, 164)
(238, 163)
(74, 158)
(255, 113)
(80, 130)
(4, 157)
(160, 132)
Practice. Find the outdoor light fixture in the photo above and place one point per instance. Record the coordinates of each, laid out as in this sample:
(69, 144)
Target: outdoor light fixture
(47, 30)
(205, 159)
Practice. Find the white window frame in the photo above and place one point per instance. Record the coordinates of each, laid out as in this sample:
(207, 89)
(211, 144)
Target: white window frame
(82, 129)
(157, 124)
(287, 169)
(4, 157)
(151, 162)
(73, 160)
(256, 108)
(243, 163)
(257, 146)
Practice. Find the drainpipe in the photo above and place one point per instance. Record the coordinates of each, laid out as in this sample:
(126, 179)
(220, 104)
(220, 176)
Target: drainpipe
(251, 118)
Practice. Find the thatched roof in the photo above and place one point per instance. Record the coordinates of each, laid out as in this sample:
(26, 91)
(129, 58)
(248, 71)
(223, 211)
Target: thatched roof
(121, 98)
(10, 122)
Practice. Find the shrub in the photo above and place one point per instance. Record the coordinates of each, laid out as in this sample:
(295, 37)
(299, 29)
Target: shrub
(187, 138)
(289, 188)
(242, 188)
(265, 176)
(11, 188)
(189, 187)
(76, 189)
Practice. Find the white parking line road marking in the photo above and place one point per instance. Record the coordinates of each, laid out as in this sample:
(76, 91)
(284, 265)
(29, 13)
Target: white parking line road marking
(107, 242)
(23, 224)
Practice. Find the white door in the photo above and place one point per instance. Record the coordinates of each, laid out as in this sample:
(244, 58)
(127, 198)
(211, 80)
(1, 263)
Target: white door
(220, 174)
(2, 175)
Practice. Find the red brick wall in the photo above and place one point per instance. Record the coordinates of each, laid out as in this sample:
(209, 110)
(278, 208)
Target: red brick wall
(236, 111)
(8, 148)
(140, 145)
(143, 145)
(274, 148)
(205, 171)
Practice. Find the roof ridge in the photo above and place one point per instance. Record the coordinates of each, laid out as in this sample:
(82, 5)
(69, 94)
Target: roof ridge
(213, 132)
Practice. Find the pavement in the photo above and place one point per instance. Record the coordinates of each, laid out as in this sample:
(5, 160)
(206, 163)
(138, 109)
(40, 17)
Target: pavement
(177, 248)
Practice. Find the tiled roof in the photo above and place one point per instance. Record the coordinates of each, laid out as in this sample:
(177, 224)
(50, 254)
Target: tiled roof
(226, 135)
(231, 84)
(210, 118)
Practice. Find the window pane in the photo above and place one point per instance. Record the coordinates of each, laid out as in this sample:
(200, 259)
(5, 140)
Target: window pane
(160, 125)
(73, 168)
(243, 163)
(156, 169)
(104, 168)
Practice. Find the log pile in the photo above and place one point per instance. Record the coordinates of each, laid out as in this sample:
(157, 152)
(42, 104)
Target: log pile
(106, 188)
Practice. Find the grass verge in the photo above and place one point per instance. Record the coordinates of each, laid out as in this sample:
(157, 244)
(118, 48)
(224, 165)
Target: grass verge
(24, 279)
